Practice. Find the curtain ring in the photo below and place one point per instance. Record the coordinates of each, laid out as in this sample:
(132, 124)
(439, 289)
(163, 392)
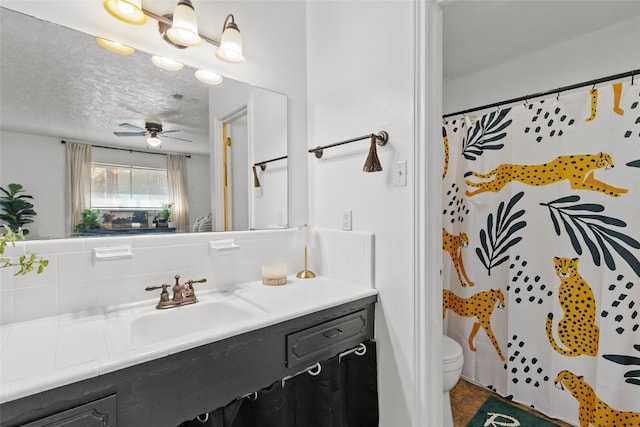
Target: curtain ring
(558, 96)
(206, 418)
(315, 373)
(362, 350)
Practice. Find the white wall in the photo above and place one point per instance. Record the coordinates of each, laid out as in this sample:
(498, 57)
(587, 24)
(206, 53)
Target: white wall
(360, 80)
(602, 53)
(39, 164)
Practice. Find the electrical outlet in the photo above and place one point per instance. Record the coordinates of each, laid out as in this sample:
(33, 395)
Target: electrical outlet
(346, 220)
(399, 173)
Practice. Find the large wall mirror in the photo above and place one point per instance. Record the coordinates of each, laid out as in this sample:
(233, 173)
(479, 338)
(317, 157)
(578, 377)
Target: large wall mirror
(59, 84)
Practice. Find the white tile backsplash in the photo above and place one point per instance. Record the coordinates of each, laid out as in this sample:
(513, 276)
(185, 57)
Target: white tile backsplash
(76, 283)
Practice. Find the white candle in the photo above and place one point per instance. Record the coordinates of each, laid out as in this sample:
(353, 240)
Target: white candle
(274, 273)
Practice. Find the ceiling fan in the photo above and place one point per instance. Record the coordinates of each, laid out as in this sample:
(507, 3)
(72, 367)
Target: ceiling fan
(151, 129)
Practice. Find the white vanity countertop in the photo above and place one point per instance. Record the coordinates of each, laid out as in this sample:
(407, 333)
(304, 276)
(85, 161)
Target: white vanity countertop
(50, 352)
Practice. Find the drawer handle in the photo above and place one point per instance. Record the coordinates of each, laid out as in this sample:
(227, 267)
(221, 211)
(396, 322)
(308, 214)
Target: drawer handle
(332, 333)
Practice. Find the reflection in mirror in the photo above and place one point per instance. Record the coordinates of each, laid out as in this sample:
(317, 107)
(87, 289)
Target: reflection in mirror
(60, 84)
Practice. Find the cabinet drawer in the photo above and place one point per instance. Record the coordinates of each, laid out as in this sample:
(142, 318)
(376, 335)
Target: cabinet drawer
(99, 413)
(326, 339)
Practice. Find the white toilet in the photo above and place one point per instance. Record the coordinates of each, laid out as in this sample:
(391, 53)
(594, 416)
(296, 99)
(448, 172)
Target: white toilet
(452, 360)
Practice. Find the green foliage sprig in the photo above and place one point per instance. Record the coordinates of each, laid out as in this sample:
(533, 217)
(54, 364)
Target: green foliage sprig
(26, 262)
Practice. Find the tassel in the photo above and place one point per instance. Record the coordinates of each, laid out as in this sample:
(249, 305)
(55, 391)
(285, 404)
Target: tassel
(373, 163)
(256, 181)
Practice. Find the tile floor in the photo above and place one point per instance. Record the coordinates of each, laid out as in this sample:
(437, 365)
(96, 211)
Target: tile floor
(466, 398)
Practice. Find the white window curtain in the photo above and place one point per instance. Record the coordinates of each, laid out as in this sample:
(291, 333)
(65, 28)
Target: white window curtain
(79, 171)
(177, 177)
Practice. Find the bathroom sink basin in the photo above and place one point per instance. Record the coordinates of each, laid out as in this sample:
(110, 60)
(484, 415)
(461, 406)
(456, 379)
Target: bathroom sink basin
(214, 315)
(178, 321)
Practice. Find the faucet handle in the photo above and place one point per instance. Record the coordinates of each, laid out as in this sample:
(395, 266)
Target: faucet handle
(164, 287)
(164, 295)
(191, 282)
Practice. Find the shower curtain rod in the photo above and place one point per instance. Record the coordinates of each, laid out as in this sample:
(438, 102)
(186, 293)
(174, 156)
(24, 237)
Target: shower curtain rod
(631, 74)
(263, 165)
(188, 156)
(382, 138)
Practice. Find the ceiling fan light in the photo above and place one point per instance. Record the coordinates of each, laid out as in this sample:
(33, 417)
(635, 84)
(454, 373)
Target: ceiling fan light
(129, 11)
(166, 63)
(209, 77)
(230, 49)
(184, 30)
(115, 46)
(153, 140)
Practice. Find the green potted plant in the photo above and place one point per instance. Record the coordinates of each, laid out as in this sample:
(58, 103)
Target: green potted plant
(17, 210)
(90, 220)
(164, 215)
(26, 262)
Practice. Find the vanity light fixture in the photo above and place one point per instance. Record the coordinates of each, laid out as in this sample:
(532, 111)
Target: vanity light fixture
(153, 140)
(166, 63)
(184, 30)
(230, 49)
(115, 46)
(209, 77)
(129, 11)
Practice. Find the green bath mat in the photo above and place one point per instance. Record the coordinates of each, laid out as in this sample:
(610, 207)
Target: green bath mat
(505, 414)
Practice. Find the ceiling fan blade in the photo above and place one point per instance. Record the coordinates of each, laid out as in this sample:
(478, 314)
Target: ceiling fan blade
(179, 139)
(129, 133)
(168, 131)
(130, 126)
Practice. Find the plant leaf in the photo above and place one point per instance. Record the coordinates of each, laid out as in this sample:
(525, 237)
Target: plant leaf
(595, 253)
(507, 246)
(572, 236)
(593, 207)
(566, 199)
(608, 259)
(606, 219)
(481, 256)
(554, 220)
(625, 254)
(625, 238)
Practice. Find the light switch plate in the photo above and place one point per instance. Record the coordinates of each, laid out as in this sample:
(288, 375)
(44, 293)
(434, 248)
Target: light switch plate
(399, 173)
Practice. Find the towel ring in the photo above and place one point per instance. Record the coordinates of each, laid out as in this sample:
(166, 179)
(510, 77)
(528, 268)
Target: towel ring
(203, 420)
(315, 373)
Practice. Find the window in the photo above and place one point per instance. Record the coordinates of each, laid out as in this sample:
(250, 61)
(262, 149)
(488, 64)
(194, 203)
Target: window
(115, 186)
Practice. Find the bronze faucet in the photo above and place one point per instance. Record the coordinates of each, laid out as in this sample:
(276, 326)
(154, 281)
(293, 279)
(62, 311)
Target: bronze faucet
(182, 294)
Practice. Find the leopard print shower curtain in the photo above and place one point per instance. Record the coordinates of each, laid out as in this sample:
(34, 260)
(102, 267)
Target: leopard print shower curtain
(541, 214)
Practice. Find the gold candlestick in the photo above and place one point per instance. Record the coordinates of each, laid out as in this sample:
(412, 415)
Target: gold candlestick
(305, 274)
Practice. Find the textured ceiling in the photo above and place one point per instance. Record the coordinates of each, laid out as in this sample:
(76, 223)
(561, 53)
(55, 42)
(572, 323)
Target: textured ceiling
(59, 82)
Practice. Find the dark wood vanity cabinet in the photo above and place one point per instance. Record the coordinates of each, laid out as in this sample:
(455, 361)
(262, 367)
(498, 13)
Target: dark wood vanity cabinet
(176, 388)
